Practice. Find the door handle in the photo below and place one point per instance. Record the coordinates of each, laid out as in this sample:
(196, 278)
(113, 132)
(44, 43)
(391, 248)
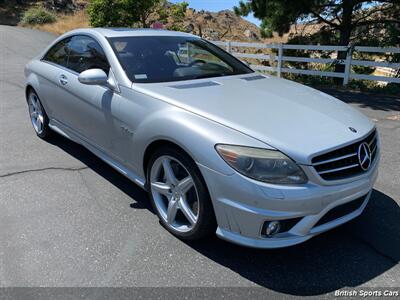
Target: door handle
(63, 79)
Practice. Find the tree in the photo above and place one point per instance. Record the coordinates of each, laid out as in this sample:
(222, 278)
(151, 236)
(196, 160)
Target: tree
(340, 17)
(120, 13)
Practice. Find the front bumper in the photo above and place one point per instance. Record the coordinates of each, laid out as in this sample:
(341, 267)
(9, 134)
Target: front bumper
(242, 205)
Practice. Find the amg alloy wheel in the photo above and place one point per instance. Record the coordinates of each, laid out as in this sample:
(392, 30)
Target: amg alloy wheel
(38, 116)
(179, 194)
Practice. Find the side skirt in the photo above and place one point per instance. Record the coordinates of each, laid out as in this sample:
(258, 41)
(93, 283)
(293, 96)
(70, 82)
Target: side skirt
(70, 134)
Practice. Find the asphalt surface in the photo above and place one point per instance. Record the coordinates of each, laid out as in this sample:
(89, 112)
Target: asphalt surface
(67, 219)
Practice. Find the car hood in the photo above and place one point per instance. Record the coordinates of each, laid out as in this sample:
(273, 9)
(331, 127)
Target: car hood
(293, 118)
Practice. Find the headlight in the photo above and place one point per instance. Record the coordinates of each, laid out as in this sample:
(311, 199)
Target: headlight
(262, 164)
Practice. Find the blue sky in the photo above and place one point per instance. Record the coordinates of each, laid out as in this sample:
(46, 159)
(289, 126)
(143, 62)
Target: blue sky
(216, 5)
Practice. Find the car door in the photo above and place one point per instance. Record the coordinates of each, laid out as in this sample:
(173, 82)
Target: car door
(89, 109)
(52, 97)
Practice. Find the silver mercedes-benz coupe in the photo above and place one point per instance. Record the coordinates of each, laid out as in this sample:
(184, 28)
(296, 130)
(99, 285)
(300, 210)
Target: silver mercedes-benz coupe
(262, 161)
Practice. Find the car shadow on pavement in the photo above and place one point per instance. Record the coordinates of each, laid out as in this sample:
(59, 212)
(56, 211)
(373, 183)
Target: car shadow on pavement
(100, 167)
(348, 256)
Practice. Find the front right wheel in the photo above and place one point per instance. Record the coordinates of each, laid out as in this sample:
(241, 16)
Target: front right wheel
(179, 194)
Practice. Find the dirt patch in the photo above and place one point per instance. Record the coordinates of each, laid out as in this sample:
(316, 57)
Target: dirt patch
(12, 11)
(66, 23)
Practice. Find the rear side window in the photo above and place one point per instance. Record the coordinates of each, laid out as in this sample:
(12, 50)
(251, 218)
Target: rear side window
(58, 54)
(86, 53)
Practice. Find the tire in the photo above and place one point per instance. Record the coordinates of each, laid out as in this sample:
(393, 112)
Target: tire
(183, 167)
(38, 116)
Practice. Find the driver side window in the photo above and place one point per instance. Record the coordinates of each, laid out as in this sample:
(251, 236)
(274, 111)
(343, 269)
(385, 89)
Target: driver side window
(86, 53)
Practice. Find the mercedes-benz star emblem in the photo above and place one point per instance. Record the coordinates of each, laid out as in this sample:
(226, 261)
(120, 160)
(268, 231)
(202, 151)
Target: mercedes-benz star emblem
(364, 156)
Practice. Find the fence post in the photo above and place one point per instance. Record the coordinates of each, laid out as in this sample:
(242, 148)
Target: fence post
(347, 68)
(280, 54)
(228, 47)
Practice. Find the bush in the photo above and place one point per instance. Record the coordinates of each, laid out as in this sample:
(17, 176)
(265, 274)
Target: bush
(120, 13)
(38, 15)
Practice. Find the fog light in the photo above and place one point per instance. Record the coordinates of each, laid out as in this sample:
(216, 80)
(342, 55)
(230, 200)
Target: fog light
(271, 228)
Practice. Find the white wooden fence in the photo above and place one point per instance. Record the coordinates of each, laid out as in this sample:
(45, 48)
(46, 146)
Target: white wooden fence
(348, 62)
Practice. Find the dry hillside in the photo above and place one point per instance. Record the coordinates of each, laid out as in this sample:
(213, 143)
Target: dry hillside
(223, 25)
(71, 14)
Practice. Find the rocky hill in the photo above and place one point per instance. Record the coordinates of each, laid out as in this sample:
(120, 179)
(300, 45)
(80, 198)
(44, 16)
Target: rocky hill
(222, 25)
(212, 25)
(64, 5)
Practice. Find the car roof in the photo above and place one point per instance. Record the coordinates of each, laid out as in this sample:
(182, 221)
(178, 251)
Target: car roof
(125, 32)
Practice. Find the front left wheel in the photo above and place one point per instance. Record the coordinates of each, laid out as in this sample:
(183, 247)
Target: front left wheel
(179, 194)
(38, 116)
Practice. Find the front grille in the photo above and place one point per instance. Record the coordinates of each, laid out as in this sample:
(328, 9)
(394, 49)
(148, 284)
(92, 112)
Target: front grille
(343, 163)
(341, 211)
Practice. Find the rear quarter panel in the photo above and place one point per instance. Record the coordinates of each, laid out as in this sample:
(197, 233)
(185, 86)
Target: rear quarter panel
(42, 76)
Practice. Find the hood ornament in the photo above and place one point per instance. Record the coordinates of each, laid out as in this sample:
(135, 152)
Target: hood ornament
(364, 156)
(353, 129)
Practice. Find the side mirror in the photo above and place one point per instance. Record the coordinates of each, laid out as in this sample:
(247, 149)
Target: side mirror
(93, 77)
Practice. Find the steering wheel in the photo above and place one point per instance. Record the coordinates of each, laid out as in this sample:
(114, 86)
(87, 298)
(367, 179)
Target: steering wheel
(197, 61)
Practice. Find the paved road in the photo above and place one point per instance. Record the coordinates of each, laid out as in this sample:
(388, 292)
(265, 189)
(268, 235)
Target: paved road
(67, 219)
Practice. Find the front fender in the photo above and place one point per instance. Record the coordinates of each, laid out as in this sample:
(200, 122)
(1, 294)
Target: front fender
(193, 133)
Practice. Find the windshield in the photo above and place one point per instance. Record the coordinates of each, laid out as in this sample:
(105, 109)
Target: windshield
(169, 58)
